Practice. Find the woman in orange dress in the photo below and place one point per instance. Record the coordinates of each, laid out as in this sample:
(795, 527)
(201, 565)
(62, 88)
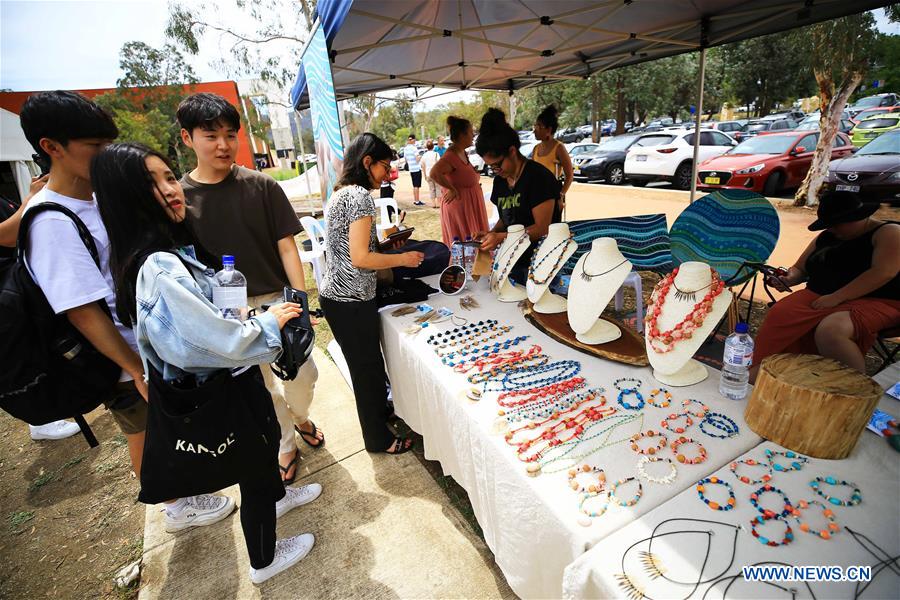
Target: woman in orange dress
(463, 213)
(852, 275)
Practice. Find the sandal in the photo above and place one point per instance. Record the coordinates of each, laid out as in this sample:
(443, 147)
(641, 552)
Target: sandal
(285, 470)
(401, 446)
(314, 434)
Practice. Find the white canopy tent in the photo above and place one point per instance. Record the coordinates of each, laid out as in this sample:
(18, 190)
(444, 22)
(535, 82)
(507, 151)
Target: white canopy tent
(15, 150)
(517, 44)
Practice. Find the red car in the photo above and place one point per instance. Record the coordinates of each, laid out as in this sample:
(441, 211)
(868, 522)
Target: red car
(767, 163)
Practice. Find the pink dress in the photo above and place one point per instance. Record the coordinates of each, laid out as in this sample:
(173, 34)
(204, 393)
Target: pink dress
(465, 215)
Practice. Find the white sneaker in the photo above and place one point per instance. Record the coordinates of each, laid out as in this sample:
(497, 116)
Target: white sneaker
(288, 552)
(297, 496)
(57, 430)
(204, 509)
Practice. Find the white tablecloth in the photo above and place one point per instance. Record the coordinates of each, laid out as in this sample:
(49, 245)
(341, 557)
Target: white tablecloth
(531, 523)
(872, 465)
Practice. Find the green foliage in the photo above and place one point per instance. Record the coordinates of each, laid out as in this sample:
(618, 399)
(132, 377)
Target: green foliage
(400, 137)
(19, 518)
(886, 65)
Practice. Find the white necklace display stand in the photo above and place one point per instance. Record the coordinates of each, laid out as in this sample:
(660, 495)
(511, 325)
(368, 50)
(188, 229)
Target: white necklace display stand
(548, 259)
(513, 247)
(595, 279)
(677, 368)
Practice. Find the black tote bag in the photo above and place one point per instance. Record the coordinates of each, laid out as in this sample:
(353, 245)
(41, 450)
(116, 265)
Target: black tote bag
(202, 439)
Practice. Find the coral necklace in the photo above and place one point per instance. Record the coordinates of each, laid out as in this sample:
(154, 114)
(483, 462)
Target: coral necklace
(665, 341)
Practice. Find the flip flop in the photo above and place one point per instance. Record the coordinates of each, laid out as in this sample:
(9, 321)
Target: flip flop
(286, 470)
(403, 448)
(312, 434)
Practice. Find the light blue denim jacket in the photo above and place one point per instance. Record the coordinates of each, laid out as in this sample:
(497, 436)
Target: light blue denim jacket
(179, 330)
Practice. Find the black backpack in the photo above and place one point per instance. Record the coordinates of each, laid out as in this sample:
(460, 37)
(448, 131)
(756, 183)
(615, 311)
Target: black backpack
(50, 371)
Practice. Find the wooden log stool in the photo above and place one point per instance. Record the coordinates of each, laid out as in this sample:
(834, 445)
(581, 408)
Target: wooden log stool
(811, 404)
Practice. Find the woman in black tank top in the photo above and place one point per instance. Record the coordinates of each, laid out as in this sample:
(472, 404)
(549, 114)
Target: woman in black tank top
(852, 275)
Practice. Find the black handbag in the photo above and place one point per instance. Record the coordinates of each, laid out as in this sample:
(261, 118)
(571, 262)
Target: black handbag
(203, 438)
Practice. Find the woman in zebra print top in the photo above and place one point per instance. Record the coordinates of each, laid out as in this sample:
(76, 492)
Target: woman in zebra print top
(348, 288)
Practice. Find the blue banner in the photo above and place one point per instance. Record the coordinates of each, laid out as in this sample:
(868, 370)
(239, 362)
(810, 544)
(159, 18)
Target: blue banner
(325, 120)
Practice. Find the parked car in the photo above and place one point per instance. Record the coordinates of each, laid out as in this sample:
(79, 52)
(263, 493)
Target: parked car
(527, 136)
(608, 127)
(724, 126)
(628, 126)
(767, 163)
(793, 114)
(668, 155)
(870, 128)
(763, 126)
(527, 148)
(874, 102)
(874, 171)
(586, 130)
(579, 149)
(811, 123)
(871, 112)
(569, 135)
(476, 161)
(606, 162)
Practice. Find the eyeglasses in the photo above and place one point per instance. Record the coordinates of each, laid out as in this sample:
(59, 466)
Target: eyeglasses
(496, 165)
(385, 164)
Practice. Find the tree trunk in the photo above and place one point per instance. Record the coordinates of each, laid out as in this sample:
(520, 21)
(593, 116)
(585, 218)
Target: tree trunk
(832, 102)
(620, 105)
(595, 109)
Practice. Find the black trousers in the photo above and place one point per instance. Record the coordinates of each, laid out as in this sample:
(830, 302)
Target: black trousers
(258, 523)
(356, 327)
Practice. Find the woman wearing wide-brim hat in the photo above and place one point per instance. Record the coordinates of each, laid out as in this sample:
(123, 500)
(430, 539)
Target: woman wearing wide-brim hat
(852, 275)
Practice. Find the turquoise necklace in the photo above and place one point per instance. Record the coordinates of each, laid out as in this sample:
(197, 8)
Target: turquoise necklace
(613, 423)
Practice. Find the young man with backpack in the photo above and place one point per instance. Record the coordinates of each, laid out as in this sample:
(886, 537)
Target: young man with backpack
(68, 130)
(237, 211)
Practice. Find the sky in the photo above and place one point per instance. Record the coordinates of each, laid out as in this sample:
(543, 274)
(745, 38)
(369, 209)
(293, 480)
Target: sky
(75, 44)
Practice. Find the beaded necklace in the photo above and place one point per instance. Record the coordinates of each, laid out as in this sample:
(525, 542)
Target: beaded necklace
(642, 472)
(650, 450)
(564, 400)
(472, 340)
(752, 463)
(723, 423)
(532, 394)
(651, 400)
(485, 351)
(665, 341)
(760, 519)
(825, 533)
(681, 457)
(855, 496)
(563, 369)
(510, 263)
(633, 500)
(797, 461)
(533, 266)
(550, 436)
(502, 355)
(703, 408)
(445, 338)
(593, 488)
(615, 421)
(627, 391)
(668, 422)
(701, 491)
(501, 370)
(787, 509)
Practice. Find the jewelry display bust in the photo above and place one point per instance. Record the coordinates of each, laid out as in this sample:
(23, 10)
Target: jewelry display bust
(513, 247)
(671, 358)
(596, 278)
(546, 262)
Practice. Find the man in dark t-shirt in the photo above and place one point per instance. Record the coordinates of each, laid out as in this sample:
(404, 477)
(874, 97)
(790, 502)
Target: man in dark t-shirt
(239, 211)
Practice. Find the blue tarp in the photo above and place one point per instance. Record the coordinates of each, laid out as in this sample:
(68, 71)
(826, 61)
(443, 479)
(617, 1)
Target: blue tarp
(330, 15)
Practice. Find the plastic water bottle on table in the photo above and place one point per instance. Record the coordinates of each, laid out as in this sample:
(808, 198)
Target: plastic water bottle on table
(735, 380)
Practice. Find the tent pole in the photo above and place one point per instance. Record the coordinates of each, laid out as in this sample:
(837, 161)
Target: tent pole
(697, 125)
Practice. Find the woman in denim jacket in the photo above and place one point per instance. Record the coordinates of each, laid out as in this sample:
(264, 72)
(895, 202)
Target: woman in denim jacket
(180, 333)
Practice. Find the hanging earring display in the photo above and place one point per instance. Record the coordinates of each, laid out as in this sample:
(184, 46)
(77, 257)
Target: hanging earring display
(760, 520)
(826, 533)
(650, 449)
(592, 488)
(855, 496)
(750, 463)
(645, 460)
(702, 489)
(671, 424)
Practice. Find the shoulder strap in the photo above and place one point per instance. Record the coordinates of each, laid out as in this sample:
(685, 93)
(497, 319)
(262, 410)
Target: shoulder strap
(34, 211)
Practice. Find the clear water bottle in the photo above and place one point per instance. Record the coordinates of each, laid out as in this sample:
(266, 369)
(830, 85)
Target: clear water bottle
(469, 253)
(736, 364)
(456, 252)
(230, 291)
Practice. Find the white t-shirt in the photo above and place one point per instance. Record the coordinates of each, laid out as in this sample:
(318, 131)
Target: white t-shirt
(428, 160)
(62, 266)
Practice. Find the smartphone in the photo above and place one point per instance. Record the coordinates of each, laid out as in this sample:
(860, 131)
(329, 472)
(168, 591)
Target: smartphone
(774, 276)
(298, 297)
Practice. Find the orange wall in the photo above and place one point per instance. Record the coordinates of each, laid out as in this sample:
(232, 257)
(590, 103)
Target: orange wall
(13, 101)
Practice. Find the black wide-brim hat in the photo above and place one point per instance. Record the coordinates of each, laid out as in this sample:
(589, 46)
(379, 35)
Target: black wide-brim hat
(841, 207)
